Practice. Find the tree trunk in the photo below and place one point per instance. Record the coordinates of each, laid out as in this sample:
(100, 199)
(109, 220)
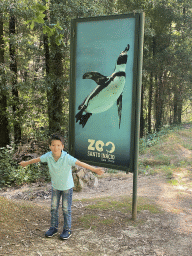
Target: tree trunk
(47, 59)
(180, 104)
(159, 104)
(15, 93)
(4, 131)
(142, 119)
(47, 68)
(150, 102)
(175, 106)
(54, 73)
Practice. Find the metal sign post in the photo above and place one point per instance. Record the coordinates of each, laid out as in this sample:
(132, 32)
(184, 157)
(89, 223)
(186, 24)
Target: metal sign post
(136, 123)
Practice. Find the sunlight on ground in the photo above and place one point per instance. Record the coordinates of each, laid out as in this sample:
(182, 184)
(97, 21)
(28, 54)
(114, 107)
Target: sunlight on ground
(173, 199)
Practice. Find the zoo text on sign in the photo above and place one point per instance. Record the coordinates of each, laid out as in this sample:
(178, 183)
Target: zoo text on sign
(102, 150)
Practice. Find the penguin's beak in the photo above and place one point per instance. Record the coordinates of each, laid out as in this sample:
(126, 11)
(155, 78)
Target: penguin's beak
(127, 48)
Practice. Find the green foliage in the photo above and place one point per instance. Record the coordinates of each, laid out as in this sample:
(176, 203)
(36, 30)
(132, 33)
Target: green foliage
(112, 171)
(12, 174)
(153, 138)
(30, 174)
(168, 172)
(38, 14)
(7, 165)
(173, 182)
(157, 138)
(170, 156)
(39, 18)
(166, 69)
(167, 58)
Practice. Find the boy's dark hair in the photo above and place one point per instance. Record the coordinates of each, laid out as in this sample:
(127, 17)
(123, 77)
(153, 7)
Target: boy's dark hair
(56, 137)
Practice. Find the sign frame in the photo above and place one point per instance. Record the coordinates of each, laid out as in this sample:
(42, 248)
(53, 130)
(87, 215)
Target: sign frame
(136, 88)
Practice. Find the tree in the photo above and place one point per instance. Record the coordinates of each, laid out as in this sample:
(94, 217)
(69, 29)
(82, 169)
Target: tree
(34, 80)
(13, 68)
(4, 131)
(167, 51)
(55, 91)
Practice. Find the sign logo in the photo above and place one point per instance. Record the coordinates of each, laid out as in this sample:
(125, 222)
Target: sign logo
(99, 149)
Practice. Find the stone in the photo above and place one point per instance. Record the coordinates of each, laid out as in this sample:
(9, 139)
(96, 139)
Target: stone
(83, 178)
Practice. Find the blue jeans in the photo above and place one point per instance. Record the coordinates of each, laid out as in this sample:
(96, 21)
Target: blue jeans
(66, 207)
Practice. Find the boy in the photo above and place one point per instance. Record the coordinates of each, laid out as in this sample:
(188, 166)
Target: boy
(59, 163)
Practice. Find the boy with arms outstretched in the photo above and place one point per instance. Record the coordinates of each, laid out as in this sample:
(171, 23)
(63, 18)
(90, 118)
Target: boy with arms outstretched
(60, 163)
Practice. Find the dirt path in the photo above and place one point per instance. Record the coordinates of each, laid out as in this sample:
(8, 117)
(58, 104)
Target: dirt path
(167, 231)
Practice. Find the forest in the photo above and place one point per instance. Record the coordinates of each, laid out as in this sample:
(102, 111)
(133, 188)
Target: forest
(35, 64)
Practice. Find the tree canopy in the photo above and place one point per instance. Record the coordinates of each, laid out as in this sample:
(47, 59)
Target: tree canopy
(35, 63)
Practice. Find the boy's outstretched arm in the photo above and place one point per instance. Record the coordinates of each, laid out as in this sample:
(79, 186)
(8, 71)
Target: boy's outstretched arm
(99, 171)
(32, 161)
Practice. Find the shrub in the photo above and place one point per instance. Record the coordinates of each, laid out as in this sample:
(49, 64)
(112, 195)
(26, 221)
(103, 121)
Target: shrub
(13, 174)
(7, 165)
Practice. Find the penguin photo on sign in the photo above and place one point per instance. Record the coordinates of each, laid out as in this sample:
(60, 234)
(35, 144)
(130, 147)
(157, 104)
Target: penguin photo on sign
(108, 91)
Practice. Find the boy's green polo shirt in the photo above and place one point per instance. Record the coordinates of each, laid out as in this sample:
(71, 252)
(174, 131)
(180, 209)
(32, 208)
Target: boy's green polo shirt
(60, 171)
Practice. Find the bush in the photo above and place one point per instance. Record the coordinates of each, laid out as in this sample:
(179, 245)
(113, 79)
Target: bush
(29, 174)
(13, 174)
(7, 165)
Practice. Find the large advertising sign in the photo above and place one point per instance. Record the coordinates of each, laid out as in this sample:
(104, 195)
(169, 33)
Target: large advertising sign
(105, 89)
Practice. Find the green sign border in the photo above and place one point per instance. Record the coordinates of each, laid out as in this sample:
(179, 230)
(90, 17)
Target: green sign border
(136, 90)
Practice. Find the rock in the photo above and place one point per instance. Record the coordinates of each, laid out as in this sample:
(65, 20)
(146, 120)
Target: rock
(80, 174)
(83, 178)
(77, 185)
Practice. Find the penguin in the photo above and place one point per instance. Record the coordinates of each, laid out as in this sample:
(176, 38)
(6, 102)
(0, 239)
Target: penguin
(109, 90)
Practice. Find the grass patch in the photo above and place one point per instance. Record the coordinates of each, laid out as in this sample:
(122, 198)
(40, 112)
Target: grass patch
(10, 213)
(16, 218)
(168, 171)
(177, 175)
(93, 221)
(114, 205)
(108, 212)
(173, 182)
(123, 205)
(148, 169)
(145, 204)
(169, 146)
(88, 220)
(112, 171)
(108, 222)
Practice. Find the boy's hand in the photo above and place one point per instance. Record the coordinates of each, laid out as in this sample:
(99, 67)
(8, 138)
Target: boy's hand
(23, 163)
(32, 161)
(99, 171)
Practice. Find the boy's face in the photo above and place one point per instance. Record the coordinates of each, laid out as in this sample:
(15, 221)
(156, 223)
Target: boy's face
(56, 147)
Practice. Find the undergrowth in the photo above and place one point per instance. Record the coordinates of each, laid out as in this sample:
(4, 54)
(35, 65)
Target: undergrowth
(156, 137)
(158, 151)
(12, 174)
(166, 151)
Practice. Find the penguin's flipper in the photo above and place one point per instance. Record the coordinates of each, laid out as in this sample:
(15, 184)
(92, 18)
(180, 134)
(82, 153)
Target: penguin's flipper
(78, 116)
(82, 106)
(119, 105)
(96, 76)
(84, 119)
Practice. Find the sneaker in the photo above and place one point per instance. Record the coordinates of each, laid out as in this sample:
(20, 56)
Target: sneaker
(51, 232)
(65, 234)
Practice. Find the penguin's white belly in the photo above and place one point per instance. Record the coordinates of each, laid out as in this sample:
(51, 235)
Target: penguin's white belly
(106, 98)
